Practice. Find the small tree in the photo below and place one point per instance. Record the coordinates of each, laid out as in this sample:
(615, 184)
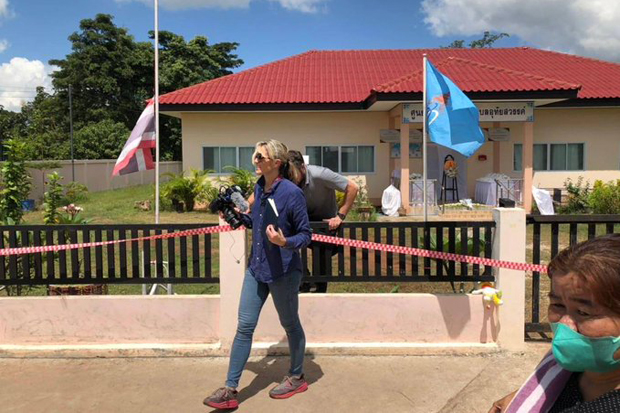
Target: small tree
(52, 199)
(15, 182)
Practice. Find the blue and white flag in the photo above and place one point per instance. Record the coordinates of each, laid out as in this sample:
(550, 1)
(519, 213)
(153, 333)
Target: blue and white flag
(452, 119)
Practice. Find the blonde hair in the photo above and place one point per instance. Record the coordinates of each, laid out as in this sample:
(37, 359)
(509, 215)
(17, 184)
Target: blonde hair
(277, 150)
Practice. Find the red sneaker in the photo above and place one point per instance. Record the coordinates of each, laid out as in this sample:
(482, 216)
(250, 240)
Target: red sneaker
(223, 398)
(289, 386)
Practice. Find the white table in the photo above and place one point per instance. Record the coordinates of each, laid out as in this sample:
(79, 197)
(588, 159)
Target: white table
(486, 192)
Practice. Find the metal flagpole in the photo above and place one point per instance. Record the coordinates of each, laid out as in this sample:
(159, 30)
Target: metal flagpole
(424, 147)
(157, 111)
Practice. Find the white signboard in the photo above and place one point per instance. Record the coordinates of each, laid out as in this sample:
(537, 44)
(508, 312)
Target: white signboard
(393, 135)
(499, 134)
(489, 112)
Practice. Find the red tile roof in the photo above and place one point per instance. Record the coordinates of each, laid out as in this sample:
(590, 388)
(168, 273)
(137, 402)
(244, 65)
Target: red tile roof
(353, 76)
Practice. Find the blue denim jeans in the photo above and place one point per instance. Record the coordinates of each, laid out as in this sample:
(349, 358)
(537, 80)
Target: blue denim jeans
(254, 293)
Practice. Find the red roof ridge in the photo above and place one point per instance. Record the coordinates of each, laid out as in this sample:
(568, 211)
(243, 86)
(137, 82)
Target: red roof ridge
(574, 56)
(517, 72)
(450, 59)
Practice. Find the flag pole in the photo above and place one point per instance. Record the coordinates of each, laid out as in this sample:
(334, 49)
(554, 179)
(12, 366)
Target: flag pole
(156, 111)
(424, 146)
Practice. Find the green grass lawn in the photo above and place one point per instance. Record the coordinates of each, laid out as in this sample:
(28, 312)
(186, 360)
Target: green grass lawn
(117, 207)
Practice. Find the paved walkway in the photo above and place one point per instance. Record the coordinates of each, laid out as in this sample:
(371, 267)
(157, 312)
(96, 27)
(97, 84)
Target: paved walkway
(417, 384)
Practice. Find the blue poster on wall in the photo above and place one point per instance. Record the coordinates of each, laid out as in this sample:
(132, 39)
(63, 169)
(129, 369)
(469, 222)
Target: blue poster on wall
(415, 150)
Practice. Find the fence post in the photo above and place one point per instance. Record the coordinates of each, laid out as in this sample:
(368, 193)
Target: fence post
(233, 262)
(509, 245)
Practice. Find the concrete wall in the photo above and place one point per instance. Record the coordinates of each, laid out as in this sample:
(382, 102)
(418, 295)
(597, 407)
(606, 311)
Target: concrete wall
(362, 323)
(97, 175)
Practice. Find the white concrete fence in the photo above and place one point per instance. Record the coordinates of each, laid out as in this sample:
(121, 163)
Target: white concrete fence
(96, 175)
(334, 323)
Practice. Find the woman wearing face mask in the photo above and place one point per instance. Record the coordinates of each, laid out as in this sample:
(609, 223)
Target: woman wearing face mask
(582, 372)
(280, 229)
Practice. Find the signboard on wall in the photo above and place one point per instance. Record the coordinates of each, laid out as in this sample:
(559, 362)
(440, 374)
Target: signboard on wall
(393, 135)
(489, 112)
(498, 134)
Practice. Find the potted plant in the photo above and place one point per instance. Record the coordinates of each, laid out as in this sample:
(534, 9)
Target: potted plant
(362, 206)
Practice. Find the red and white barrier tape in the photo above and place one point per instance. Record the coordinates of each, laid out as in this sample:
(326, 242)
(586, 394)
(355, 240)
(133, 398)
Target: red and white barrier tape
(65, 247)
(315, 237)
(429, 253)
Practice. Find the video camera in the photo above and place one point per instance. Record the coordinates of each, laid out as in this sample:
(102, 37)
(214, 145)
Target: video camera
(228, 198)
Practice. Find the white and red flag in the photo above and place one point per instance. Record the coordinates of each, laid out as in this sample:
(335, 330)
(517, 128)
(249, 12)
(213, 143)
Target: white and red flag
(136, 155)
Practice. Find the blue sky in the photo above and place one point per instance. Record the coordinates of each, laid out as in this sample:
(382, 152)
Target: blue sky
(34, 31)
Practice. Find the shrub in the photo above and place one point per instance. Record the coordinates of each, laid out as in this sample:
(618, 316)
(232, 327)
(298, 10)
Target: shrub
(605, 197)
(578, 194)
(75, 192)
(185, 190)
(72, 215)
(243, 178)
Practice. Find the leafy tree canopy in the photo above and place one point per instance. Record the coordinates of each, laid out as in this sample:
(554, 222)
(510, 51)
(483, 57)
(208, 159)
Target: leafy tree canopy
(111, 76)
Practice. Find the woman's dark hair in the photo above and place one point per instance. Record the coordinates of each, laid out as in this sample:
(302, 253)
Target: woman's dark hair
(597, 263)
(296, 167)
(296, 158)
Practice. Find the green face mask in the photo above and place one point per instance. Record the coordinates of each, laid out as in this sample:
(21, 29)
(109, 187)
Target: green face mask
(576, 352)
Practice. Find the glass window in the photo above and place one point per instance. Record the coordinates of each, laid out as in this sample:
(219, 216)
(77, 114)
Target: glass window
(540, 157)
(353, 158)
(574, 157)
(211, 159)
(314, 153)
(517, 159)
(558, 157)
(228, 158)
(349, 158)
(366, 158)
(245, 158)
(330, 157)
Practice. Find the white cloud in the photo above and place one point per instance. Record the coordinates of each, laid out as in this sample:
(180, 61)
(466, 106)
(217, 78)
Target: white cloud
(19, 79)
(584, 27)
(4, 8)
(305, 6)
(4, 44)
(195, 4)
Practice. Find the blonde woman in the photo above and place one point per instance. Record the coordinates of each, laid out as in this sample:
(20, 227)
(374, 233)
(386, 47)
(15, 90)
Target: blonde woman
(281, 228)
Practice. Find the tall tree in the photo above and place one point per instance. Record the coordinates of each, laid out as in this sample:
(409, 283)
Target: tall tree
(101, 69)
(46, 135)
(12, 124)
(487, 41)
(112, 75)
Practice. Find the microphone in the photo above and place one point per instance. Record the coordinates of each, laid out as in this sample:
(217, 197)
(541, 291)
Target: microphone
(239, 201)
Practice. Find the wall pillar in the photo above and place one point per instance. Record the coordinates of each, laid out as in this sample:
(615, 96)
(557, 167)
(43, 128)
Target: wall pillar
(509, 245)
(233, 263)
(404, 167)
(528, 165)
(496, 153)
